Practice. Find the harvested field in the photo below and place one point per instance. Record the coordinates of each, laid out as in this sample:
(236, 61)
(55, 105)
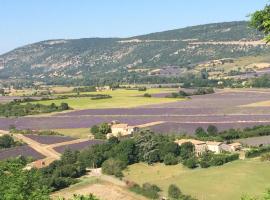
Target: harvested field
(255, 141)
(49, 139)
(78, 146)
(24, 150)
(100, 188)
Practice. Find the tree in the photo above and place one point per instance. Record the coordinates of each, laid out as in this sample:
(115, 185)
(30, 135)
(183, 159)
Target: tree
(64, 106)
(191, 163)
(19, 184)
(261, 21)
(174, 192)
(170, 159)
(6, 141)
(187, 150)
(104, 128)
(113, 167)
(200, 132)
(69, 156)
(212, 130)
(100, 131)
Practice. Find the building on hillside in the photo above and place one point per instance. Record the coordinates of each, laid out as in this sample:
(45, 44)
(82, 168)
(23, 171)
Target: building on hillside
(200, 146)
(104, 88)
(214, 146)
(231, 147)
(118, 130)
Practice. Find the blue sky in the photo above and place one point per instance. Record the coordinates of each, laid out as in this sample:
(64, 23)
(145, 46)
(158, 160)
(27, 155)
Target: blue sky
(26, 21)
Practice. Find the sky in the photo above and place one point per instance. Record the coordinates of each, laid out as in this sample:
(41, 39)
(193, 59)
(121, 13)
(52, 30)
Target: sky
(27, 21)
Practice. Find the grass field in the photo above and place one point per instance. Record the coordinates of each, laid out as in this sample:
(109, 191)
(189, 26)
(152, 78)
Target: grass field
(103, 189)
(230, 181)
(259, 104)
(120, 99)
(75, 132)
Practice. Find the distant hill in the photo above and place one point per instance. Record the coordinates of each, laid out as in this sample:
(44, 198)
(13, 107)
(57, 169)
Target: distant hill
(168, 53)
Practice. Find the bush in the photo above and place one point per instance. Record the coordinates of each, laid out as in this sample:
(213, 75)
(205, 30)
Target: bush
(147, 95)
(190, 163)
(100, 131)
(148, 190)
(265, 157)
(113, 167)
(174, 192)
(142, 89)
(257, 151)
(170, 159)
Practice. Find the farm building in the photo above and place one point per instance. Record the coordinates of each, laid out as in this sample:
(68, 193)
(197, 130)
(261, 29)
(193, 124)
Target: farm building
(231, 147)
(121, 130)
(104, 88)
(216, 147)
(200, 146)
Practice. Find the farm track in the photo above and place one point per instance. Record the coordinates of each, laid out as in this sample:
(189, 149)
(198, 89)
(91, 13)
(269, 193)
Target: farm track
(45, 149)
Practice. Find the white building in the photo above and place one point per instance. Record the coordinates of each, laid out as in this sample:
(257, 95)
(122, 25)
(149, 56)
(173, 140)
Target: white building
(119, 130)
(214, 146)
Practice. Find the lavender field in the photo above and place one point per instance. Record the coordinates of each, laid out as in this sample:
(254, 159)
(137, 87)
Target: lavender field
(24, 150)
(78, 146)
(49, 139)
(223, 109)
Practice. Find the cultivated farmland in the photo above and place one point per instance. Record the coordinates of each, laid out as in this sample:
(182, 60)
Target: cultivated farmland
(24, 150)
(78, 146)
(228, 108)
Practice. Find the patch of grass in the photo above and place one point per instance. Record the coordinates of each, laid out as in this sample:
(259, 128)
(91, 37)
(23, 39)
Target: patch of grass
(230, 181)
(120, 99)
(258, 104)
(75, 132)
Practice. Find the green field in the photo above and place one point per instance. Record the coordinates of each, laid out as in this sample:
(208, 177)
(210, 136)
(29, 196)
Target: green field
(120, 99)
(227, 182)
(75, 132)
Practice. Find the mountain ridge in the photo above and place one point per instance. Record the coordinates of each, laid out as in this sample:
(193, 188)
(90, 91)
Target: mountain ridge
(133, 56)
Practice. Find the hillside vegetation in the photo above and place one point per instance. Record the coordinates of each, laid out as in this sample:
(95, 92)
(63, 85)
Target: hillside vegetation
(169, 53)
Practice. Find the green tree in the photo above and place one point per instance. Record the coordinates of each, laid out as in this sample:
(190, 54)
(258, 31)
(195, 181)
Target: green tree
(6, 141)
(113, 167)
(212, 130)
(200, 132)
(170, 159)
(19, 184)
(174, 192)
(190, 162)
(261, 21)
(187, 150)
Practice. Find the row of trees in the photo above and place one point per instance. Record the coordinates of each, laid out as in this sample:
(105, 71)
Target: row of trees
(17, 109)
(212, 133)
(115, 155)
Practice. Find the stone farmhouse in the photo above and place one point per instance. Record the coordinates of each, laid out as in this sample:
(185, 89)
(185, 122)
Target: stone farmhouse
(119, 130)
(216, 147)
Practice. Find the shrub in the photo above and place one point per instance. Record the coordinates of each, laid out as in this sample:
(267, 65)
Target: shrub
(190, 163)
(257, 151)
(113, 167)
(265, 157)
(148, 190)
(147, 95)
(170, 159)
(142, 89)
(212, 130)
(174, 192)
